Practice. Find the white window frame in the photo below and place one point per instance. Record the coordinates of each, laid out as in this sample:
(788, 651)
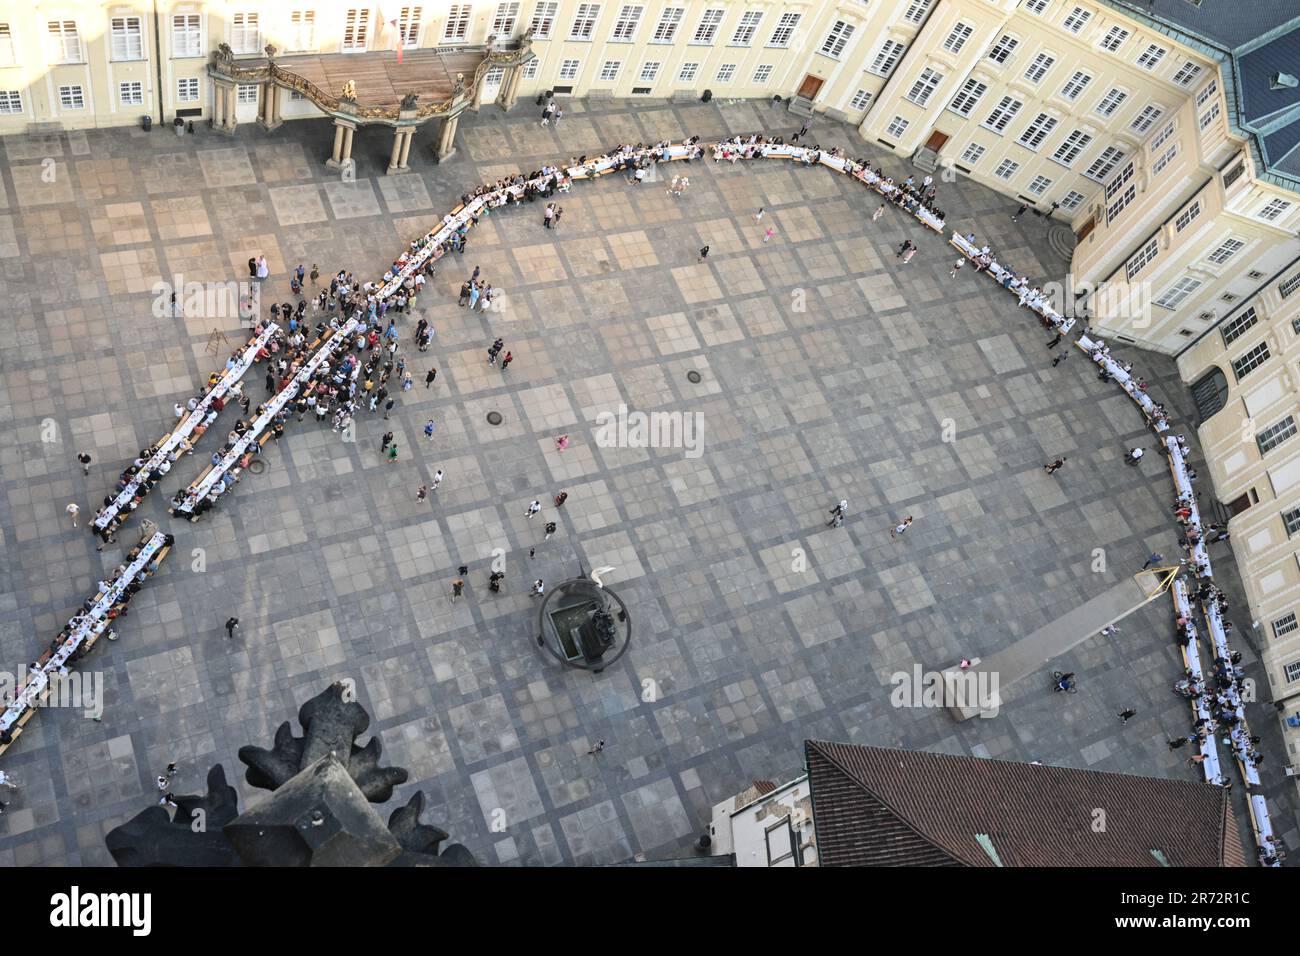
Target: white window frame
(706, 30)
(505, 18)
(457, 25)
(627, 23)
(356, 29)
(670, 21)
(1038, 69)
(785, 27)
(1006, 110)
(957, 36)
(72, 96)
(584, 23)
(130, 93)
(543, 21)
(569, 69)
(924, 86)
(1115, 98)
(65, 42)
(968, 97)
(126, 38)
(609, 71)
(837, 39)
(1075, 85)
(973, 153)
(1178, 293)
(1007, 170)
(246, 32)
(746, 28)
(188, 89)
(186, 35)
(887, 58)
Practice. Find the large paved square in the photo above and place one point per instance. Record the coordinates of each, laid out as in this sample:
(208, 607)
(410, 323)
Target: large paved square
(827, 369)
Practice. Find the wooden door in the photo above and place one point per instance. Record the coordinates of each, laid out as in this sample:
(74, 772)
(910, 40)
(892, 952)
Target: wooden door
(936, 141)
(810, 86)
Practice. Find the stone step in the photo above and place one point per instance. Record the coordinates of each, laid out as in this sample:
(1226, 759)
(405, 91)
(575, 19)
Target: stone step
(799, 106)
(1062, 241)
(52, 128)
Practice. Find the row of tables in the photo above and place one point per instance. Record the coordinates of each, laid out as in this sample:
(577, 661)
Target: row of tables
(332, 343)
(1260, 820)
(86, 627)
(108, 517)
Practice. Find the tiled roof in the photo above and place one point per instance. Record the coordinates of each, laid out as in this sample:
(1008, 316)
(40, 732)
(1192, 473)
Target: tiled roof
(874, 806)
(1225, 23)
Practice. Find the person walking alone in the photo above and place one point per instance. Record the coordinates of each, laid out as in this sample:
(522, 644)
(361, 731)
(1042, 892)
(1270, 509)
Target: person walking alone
(232, 625)
(1053, 467)
(429, 377)
(1125, 714)
(837, 513)
(901, 528)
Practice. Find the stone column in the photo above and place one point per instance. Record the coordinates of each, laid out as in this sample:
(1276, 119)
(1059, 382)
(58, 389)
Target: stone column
(406, 148)
(268, 113)
(342, 156)
(479, 89)
(509, 88)
(395, 157)
(447, 141)
(223, 116)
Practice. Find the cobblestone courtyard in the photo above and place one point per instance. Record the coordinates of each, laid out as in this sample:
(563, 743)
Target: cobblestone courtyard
(336, 572)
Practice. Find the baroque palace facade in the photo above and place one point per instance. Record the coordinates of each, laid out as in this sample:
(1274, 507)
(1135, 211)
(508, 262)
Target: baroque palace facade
(1165, 133)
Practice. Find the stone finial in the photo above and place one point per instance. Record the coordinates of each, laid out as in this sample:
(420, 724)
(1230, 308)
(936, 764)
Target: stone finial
(459, 88)
(410, 100)
(270, 51)
(349, 91)
(224, 53)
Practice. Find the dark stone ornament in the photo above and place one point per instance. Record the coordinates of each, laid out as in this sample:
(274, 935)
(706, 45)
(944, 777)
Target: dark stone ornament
(320, 812)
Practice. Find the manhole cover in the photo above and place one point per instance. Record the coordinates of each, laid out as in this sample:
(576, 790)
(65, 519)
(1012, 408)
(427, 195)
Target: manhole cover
(257, 467)
(494, 418)
(693, 377)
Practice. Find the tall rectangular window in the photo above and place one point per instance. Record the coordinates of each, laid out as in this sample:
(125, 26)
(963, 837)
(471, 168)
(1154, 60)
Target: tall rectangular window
(957, 37)
(456, 29)
(1114, 39)
(707, 29)
(1250, 361)
(187, 35)
(1036, 70)
(1037, 131)
(126, 38)
(1120, 204)
(1273, 210)
(543, 23)
(626, 23)
(1178, 293)
(1076, 85)
(924, 87)
(1116, 185)
(65, 42)
(1163, 136)
(1274, 435)
(1003, 114)
(505, 18)
(1104, 164)
(1226, 250)
(746, 28)
(1235, 329)
(408, 27)
(1073, 144)
(584, 21)
(887, 58)
(1187, 216)
(1144, 255)
(968, 97)
(1077, 19)
(1151, 56)
(1147, 118)
(1072, 201)
(356, 28)
(1002, 50)
(245, 33)
(669, 22)
(837, 39)
(1291, 521)
(785, 28)
(1187, 74)
(1111, 101)
(916, 11)
(8, 53)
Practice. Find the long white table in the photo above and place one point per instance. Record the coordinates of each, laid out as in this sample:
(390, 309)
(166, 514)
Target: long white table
(1126, 382)
(1192, 658)
(337, 341)
(92, 623)
(185, 427)
(995, 270)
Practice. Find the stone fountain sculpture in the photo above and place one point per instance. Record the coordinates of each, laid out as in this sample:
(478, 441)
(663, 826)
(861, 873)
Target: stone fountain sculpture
(320, 812)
